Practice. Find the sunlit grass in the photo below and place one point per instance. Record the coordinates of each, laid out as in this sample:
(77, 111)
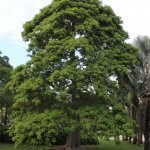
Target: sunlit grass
(104, 145)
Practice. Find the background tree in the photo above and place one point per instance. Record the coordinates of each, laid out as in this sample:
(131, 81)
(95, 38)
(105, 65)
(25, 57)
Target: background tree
(138, 78)
(129, 94)
(5, 96)
(75, 46)
(143, 43)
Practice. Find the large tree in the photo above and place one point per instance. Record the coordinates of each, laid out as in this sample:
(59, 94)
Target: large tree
(76, 47)
(5, 97)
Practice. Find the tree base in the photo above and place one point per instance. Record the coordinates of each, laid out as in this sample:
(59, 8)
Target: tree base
(68, 148)
(73, 140)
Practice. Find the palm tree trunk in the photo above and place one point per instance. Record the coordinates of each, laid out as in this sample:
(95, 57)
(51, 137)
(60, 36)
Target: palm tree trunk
(139, 127)
(147, 127)
(135, 128)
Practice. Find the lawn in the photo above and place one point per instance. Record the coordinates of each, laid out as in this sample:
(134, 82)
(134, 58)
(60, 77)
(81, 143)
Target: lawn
(110, 145)
(105, 145)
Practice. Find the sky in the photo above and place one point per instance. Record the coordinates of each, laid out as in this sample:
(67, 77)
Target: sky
(13, 14)
(135, 15)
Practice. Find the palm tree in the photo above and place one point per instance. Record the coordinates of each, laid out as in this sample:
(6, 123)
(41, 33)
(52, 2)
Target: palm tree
(139, 79)
(131, 99)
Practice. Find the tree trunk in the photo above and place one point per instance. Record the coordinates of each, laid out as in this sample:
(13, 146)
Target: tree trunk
(5, 118)
(130, 140)
(125, 138)
(147, 127)
(1, 115)
(134, 113)
(73, 140)
(135, 140)
(130, 116)
(140, 140)
(139, 127)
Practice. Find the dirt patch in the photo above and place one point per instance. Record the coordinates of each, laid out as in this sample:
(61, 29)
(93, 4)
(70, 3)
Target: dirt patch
(63, 148)
(58, 148)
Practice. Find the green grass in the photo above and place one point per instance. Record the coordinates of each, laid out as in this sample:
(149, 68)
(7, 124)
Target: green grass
(11, 147)
(105, 145)
(110, 145)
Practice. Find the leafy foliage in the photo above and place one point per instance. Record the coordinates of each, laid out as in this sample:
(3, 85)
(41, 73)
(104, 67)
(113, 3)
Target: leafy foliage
(100, 121)
(5, 97)
(5, 70)
(38, 129)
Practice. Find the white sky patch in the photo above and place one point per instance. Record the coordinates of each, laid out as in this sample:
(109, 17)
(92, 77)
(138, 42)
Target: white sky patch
(14, 13)
(135, 15)
(77, 36)
(113, 78)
